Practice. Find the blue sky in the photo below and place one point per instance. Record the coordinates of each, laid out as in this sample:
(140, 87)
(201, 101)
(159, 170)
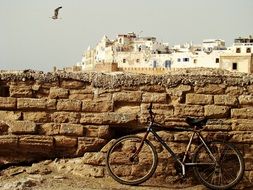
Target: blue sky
(29, 39)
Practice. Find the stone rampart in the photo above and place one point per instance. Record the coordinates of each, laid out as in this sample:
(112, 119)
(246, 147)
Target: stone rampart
(53, 115)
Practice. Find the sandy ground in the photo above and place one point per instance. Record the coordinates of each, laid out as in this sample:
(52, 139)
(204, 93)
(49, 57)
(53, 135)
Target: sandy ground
(16, 178)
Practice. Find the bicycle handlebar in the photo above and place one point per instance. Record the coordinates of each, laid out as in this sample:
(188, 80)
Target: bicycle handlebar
(151, 113)
(150, 107)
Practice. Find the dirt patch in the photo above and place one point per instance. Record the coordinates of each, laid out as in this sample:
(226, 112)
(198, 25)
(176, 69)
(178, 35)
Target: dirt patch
(46, 176)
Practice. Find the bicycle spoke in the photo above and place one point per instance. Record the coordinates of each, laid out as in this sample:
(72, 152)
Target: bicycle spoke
(125, 168)
(228, 170)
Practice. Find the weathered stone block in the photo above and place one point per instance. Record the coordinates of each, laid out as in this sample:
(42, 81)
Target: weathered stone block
(246, 100)
(218, 127)
(250, 89)
(69, 105)
(248, 162)
(31, 103)
(50, 129)
(65, 117)
(51, 104)
(81, 96)
(48, 85)
(242, 125)
(167, 136)
(100, 131)
(21, 90)
(103, 96)
(153, 88)
(83, 90)
(130, 109)
(179, 90)
(199, 99)
(130, 96)
(154, 97)
(21, 127)
(89, 170)
(182, 136)
(227, 100)
(72, 84)
(72, 129)
(210, 89)
(38, 117)
(94, 158)
(234, 90)
(35, 143)
(10, 115)
(56, 92)
(7, 141)
(108, 146)
(87, 144)
(8, 103)
(216, 111)
(63, 141)
(107, 118)
(241, 137)
(97, 106)
(243, 113)
(188, 110)
(36, 104)
(93, 118)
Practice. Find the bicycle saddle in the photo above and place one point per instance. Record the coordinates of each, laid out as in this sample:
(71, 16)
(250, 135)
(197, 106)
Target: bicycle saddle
(196, 122)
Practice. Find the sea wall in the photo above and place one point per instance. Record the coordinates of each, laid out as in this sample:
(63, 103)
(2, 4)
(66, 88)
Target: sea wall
(56, 115)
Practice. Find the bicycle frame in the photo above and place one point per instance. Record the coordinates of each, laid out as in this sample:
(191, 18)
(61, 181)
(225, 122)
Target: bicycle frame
(182, 162)
(216, 164)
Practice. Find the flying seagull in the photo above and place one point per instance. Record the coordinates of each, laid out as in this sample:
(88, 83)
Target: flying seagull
(56, 11)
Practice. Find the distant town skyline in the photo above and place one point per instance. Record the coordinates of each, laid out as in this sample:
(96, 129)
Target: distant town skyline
(30, 39)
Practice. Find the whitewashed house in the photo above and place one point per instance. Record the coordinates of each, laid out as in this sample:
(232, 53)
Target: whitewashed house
(239, 57)
(131, 51)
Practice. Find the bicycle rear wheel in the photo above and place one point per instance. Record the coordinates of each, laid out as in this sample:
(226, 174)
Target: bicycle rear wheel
(225, 172)
(129, 170)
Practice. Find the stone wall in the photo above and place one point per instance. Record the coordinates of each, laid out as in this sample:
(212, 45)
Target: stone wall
(54, 115)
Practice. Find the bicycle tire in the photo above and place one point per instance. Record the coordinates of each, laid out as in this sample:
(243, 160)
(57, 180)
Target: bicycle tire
(131, 172)
(224, 174)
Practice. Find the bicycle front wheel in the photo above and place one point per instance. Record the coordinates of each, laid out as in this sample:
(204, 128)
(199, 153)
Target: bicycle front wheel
(126, 166)
(221, 168)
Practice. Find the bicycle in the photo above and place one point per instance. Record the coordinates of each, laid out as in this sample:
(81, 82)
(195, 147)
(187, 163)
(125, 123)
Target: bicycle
(132, 160)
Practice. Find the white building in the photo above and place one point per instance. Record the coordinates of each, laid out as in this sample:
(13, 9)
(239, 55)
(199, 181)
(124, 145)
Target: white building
(239, 57)
(131, 51)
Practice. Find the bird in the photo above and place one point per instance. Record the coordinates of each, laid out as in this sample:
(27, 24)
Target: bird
(56, 11)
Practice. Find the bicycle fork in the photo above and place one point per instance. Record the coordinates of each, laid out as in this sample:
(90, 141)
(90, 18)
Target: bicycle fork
(140, 147)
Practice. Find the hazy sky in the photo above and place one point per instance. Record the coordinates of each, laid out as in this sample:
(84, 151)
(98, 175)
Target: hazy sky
(29, 39)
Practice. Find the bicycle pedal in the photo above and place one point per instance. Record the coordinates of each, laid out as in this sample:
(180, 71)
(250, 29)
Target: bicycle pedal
(181, 178)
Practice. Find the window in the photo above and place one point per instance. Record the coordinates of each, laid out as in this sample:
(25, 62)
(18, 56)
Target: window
(137, 60)
(167, 64)
(124, 60)
(217, 60)
(186, 59)
(154, 64)
(178, 60)
(248, 50)
(234, 66)
(195, 61)
(238, 50)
